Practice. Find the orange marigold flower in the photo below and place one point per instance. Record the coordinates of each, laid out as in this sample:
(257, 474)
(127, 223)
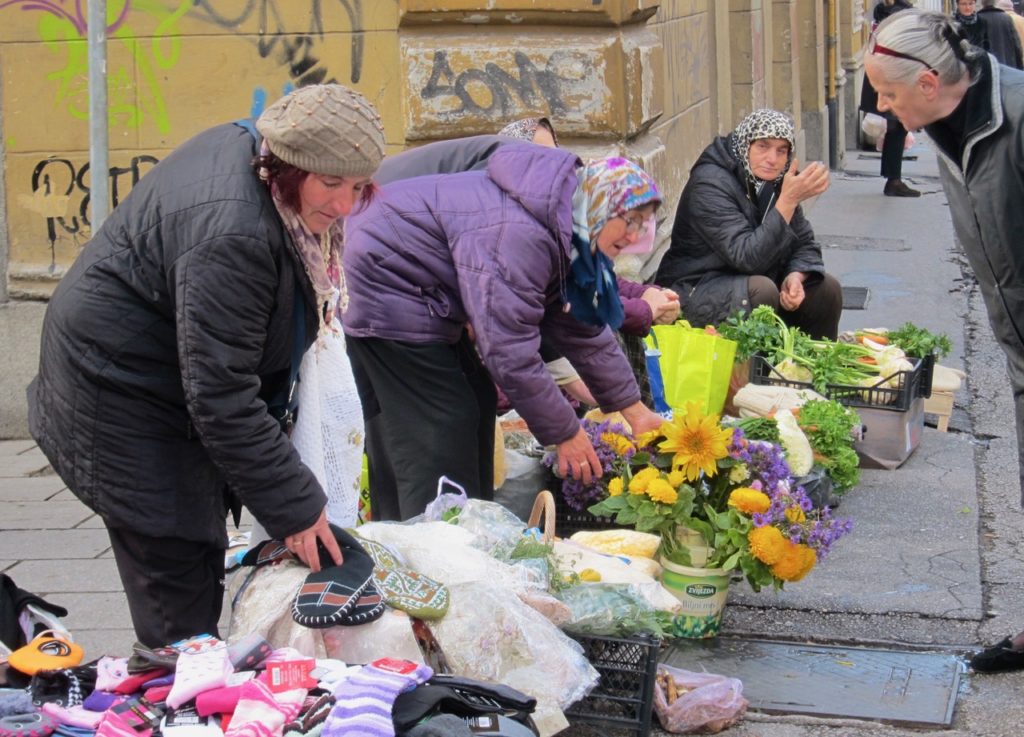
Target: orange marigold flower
(676, 478)
(795, 563)
(662, 491)
(767, 544)
(615, 486)
(619, 443)
(749, 501)
(638, 484)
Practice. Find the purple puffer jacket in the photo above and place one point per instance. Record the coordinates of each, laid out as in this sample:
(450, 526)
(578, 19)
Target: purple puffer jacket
(489, 248)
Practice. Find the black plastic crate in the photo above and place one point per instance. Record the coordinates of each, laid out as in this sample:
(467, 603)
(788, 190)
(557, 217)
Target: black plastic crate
(569, 520)
(909, 385)
(624, 696)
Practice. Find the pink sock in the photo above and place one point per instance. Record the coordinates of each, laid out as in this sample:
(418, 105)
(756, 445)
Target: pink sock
(218, 700)
(198, 672)
(261, 713)
(111, 672)
(73, 716)
(115, 725)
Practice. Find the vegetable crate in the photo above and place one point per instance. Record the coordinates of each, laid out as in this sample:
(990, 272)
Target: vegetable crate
(568, 520)
(624, 696)
(907, 385)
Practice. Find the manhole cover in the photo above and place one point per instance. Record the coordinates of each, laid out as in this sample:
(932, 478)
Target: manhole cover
(896, 687)
(862, 243)
(855, 298)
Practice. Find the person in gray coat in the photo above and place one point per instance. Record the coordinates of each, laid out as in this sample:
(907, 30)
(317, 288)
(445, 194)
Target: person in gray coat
(1001, 35)
(740, 238)
(973, 110)
(163, 392)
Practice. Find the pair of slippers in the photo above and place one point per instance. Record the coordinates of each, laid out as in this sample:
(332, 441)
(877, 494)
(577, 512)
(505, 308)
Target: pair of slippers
(405, 589)
(335, 595)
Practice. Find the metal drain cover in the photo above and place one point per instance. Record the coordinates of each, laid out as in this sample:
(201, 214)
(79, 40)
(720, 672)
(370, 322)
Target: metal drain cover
(855, 298)
(891, 686)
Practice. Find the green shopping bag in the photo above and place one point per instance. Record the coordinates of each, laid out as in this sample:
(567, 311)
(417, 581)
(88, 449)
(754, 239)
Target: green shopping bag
(695, 365)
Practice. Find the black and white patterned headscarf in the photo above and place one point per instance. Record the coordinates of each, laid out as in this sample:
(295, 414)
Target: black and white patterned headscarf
(761, 124)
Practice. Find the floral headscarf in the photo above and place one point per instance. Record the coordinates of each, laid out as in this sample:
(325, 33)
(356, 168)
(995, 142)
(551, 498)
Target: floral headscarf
(607, 188)
(527, 127)
(761, 124)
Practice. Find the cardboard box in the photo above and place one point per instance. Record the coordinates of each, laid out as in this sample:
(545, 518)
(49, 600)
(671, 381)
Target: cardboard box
(889, 436)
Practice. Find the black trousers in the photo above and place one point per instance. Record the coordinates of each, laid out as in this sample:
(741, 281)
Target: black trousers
(818, 315)
(429, 410)
(175, 587)
(892, 149)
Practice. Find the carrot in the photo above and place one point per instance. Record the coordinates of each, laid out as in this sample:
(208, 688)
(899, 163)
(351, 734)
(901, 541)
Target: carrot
(868, 360)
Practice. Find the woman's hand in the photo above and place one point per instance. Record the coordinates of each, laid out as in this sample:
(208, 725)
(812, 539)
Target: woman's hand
(304, 543)
(664, 304)
(577, 458)
(641, 418)
(801, 185)
(579, 391)
(791, 293)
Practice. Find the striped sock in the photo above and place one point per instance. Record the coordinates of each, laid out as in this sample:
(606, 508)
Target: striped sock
(261, 713)
(363, 701)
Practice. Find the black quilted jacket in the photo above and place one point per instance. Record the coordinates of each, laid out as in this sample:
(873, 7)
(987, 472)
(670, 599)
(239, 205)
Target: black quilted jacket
(161, 346)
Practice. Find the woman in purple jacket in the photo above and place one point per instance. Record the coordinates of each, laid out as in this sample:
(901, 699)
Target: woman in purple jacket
(497, 257)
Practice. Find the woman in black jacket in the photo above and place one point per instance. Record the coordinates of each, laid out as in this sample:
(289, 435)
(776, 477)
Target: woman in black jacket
(740, 238)
(163, 392)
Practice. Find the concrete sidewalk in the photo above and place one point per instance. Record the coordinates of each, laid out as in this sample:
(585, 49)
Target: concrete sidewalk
(934, 561)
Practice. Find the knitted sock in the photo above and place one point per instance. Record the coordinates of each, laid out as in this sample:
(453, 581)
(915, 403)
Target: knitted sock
(310, 721)
(156, 694)
(73, 716)
(15, 701)
(33, 724)
(218, 700)
(100, 701)
(136, 681)
(115, 725)
(261, 713)
(198, 672)
(363, 701)
(111, 672)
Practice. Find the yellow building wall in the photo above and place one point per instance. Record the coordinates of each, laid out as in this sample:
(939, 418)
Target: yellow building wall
(638, 77)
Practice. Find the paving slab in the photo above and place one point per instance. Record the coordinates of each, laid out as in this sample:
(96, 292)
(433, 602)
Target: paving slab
(68, 576)
(53, 545)
(92, 522)
(44, 515)
(14, 447)
(93, 611)
(914, 546)
(31, 489)
(98, 642)
(30, 463)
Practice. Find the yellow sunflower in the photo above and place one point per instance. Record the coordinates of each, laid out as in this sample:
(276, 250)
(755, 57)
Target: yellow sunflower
(661, 490)
(615, 486)
(795, 514)
(767, 544)
(749, 501)
(795, 563)
(647, 438)
(676, 478)
(697, 440)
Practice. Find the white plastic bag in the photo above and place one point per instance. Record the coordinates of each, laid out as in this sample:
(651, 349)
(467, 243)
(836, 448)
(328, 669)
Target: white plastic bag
(873, 125)
(710, 702)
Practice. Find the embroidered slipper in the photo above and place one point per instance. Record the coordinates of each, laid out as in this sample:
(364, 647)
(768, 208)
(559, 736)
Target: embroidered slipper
(332, 592)
(35, 724)
(404, 588)
(266, 552)
(49, 650)
(369, 607)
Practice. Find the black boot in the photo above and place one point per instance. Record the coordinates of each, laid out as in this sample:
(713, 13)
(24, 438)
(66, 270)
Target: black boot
(896, 188)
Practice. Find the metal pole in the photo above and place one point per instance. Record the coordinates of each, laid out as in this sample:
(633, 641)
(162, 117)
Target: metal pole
(832, 64)
(99, 198)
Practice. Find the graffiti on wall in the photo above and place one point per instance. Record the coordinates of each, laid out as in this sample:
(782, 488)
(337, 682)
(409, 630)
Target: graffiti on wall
(493, 91)
(295, 49)
(136, 96)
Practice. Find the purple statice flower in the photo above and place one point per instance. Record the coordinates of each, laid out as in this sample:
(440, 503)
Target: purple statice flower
(578, 495)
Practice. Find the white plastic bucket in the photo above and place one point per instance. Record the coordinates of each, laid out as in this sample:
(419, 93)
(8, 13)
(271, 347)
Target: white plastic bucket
(702, 593)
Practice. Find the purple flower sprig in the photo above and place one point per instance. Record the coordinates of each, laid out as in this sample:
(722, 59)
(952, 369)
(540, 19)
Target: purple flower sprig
(578, 495)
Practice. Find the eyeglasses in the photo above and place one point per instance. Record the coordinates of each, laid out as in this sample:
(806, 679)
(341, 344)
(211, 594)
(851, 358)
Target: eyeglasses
(635, 225)
(877, 48)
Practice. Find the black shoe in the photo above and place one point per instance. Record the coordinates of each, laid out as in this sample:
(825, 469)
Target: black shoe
(998, 658)
(896, 188)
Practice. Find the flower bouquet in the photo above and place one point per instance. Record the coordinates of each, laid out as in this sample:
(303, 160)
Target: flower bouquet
(697, 479)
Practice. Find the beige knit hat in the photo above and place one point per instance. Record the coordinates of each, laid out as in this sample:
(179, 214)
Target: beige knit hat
(327, 129)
